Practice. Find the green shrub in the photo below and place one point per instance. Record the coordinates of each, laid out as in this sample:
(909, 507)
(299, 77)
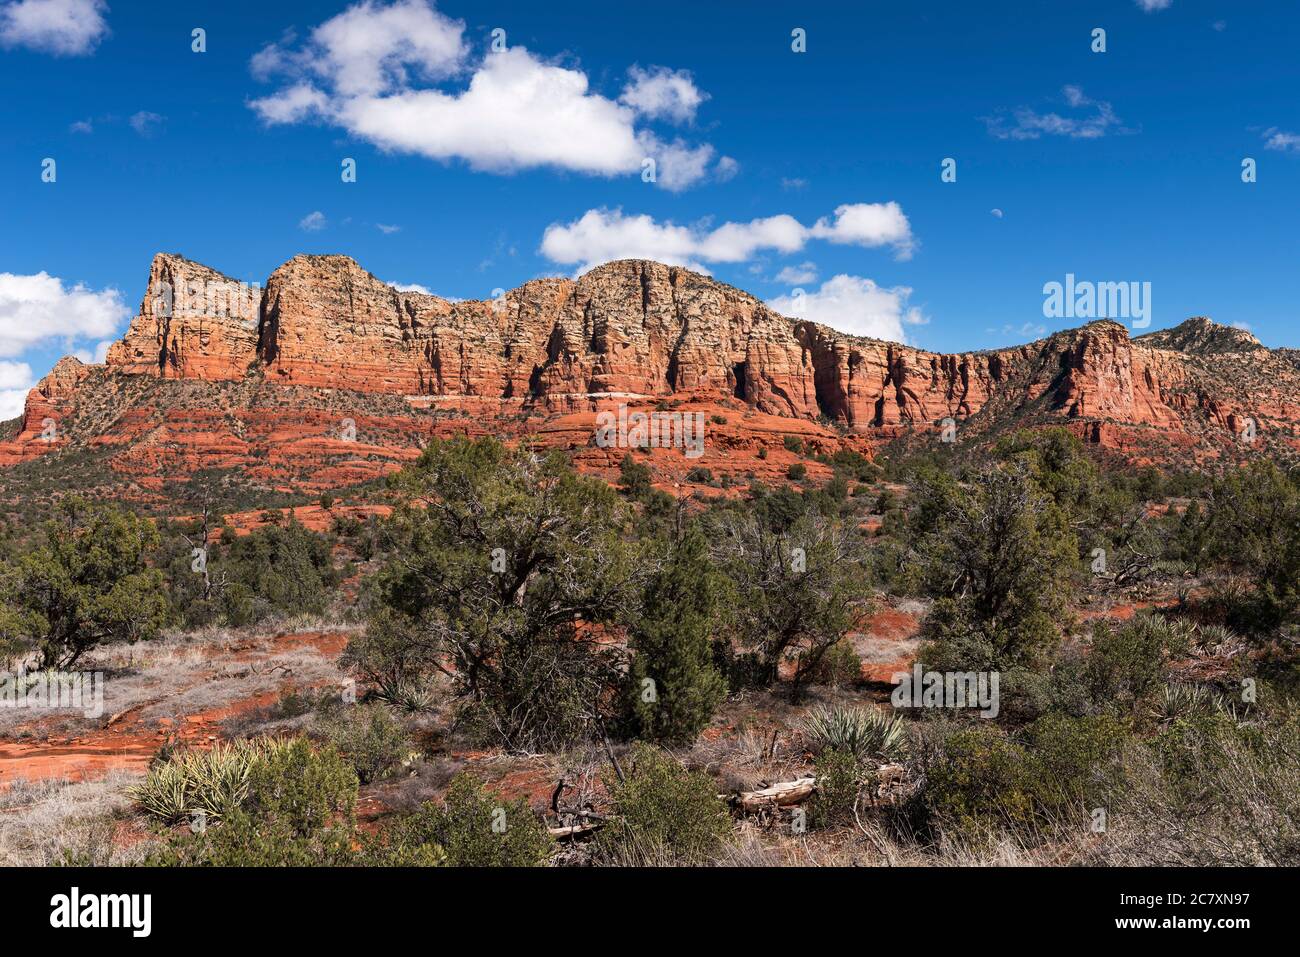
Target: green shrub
(978, 777)
(700, 475)
(797, 472)
(84, 583)
(634, 477)
(238, 604)
(476, 827)
(300, 786)
(673, 687)
(1127, 665)
(792, 443)
(298, 812)
(662, 811)
(371, 740)
(839, 779)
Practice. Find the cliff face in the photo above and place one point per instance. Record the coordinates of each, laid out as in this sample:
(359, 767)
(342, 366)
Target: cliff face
(277, 374)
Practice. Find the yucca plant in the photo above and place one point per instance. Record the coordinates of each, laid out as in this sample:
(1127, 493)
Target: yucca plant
(1184, 701)
(862, 732)
(213, 782)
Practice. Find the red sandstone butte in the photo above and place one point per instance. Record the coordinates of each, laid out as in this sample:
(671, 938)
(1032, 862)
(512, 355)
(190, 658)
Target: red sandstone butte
(326, 377)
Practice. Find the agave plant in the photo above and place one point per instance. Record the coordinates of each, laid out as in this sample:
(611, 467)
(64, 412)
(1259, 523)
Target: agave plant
(862, 732)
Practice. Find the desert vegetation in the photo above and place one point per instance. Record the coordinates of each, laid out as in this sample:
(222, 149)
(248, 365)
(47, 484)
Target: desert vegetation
(534, 666)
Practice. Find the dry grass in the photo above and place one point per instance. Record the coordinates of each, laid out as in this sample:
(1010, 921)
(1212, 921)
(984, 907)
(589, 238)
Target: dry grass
(40, 821)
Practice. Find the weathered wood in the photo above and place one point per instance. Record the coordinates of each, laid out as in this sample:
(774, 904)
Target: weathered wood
(777, 795)
(569, 832)
(785, 793)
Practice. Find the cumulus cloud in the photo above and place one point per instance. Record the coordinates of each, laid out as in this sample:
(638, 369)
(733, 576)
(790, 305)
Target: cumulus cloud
(661, 93)
(15, 381)
(794, 275)
(411, 287)
(854, 305)
(313, 222)
(146, 123)
(600, 235)
(61, 27)
(1275, 139)
(40, 308)
(373, 70)
(98, 354)
(1097, 120)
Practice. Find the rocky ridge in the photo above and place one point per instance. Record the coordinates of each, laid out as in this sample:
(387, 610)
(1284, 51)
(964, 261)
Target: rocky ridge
(328, 376)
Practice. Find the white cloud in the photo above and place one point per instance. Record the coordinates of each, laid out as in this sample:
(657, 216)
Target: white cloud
(61, 27)
(794, 275)
(661, 93)
(292, 105)
(97, 355)
(360, 71)
(15, 375)
(868, 224)
(854, 305)
(411, 287)
(146, 123)
(1022, 332)
(81, 126)
(679, 165)
(313, 222)
(1275, 139)
(1030, 124)
(387, 229)
(602, 234)
(1150, 6)
(39, 308)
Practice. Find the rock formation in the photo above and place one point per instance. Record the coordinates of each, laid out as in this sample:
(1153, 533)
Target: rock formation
(328, 376)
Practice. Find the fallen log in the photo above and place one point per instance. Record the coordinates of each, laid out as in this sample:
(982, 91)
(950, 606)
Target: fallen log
(785, 793)
(569, 832)
(776, 795)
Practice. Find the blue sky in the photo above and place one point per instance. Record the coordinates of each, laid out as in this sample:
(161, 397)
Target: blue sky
(478, 169)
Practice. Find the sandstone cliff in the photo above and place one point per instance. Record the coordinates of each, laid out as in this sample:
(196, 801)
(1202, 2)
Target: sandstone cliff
(328, 376)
